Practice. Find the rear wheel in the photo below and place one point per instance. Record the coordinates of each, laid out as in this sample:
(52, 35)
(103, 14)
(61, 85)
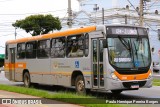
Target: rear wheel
(80, 85)
(26, 79)
(116, 91)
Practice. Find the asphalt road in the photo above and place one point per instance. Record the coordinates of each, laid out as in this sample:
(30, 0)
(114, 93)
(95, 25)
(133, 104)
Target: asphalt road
(153, 92)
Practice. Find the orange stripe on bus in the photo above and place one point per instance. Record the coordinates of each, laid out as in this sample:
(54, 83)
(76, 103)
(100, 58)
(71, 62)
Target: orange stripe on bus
(15, 65)
(57, 72)
(132, 77)
(56, 34)
(20, 65)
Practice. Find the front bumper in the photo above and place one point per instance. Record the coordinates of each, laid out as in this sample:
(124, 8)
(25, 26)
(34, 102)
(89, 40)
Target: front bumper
(112, 84)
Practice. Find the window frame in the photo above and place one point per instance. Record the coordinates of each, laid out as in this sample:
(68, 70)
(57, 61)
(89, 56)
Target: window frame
(43, 49)
(52, 48)
(34, 49)
(6, 52)
(86, 36)
(69, 52)
(20, 51)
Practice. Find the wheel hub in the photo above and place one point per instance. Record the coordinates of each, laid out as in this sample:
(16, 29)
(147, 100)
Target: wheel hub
(80, 85)
(26, 80)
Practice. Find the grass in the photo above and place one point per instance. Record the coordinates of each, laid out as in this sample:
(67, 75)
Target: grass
(156, 82)
(68, 97)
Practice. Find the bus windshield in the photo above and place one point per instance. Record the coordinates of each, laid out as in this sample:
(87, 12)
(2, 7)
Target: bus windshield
(129, 52)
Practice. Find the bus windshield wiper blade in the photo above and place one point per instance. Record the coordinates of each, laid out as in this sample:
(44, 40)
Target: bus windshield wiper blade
(125, 43)
(135, 50)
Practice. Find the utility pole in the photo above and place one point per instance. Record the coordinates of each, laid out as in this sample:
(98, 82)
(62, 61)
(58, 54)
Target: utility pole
(103, 16)
(125, 19)
(15, 32)
(69, 23)
(96, 8)
(141, 17)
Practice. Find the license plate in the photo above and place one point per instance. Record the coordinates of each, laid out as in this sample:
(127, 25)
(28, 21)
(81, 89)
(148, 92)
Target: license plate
(134, 86)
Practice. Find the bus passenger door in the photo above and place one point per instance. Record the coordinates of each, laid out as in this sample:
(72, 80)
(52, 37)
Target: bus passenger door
(12, 64)
(97, 63)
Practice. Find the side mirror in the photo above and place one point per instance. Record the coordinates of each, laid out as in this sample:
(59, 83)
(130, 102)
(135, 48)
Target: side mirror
(105, 45)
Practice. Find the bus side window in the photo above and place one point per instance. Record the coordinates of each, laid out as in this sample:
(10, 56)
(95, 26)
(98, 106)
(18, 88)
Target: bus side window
(43, 50)
(80, 47)
(58, 47)
(21, 51)
(86, 44)
(6, 52)
(71, 46)
(31, 48)
(75, 46)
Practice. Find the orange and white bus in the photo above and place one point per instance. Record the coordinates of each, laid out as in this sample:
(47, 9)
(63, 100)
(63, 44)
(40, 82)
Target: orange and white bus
(101, 58)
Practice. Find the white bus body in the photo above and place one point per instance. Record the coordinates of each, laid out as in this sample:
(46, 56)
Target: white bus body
(82, 58)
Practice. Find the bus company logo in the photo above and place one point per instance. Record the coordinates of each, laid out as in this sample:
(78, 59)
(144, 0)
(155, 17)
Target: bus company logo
(55, 65)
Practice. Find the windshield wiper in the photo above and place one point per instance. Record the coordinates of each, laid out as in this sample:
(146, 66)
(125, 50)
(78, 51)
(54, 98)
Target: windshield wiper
(131, 51)
(128, 46)
(125, 43)
(142, 56)
(136, 50)
(139, 40)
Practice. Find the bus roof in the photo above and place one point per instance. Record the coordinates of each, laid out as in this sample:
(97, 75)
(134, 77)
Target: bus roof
(53, 35)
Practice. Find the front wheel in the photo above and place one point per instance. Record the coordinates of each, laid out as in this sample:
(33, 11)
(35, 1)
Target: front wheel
(26, 79)
(80, 85)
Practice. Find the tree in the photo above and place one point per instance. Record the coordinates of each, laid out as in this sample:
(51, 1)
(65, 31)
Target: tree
(38, 24)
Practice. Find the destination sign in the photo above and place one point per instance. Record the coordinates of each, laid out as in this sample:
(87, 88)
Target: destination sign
(124, 31)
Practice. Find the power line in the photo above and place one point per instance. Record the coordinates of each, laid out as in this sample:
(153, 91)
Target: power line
(34, 13)
(154, 3)
(20, 35)
(133, 6)
(2, 47)
(63, 18)
(7, 34)
(151, 27)
(5, 0)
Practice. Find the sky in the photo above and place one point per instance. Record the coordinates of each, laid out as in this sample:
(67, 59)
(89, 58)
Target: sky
(12, 10)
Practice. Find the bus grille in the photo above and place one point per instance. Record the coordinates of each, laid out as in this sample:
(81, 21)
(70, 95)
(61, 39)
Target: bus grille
(128, 84)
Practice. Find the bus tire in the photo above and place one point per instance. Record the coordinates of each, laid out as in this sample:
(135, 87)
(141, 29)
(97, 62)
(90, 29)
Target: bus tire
(80, 85)
(116, 91)
(27, 80)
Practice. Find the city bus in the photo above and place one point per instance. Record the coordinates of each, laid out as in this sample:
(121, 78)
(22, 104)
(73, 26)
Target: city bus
(98, 58)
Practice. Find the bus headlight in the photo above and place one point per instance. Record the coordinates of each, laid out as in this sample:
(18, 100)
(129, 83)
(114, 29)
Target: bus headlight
(150, 75)
(114, 76)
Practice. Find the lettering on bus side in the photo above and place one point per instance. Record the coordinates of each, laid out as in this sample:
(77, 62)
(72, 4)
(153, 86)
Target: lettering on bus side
(57, 65)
